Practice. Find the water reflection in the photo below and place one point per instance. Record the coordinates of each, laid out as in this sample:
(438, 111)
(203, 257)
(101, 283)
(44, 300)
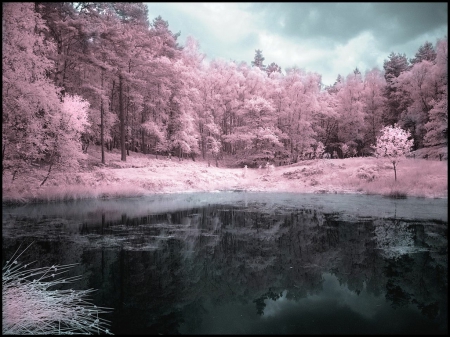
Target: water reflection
(250, 265)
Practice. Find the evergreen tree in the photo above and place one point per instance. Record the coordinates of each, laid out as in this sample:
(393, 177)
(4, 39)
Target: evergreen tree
(259, 59)
(332, 89)
(425, 52)
(170, 47)
(395, 103)
(272, 68)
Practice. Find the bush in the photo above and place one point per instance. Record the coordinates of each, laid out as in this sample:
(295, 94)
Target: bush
(368, 173)
(305, 171)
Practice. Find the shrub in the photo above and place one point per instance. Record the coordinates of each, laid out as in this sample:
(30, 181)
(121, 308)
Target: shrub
(367, 173)
(30, 308)
(305, 171)
(396, 194)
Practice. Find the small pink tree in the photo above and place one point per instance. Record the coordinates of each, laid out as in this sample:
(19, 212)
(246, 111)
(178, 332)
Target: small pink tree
(393, 143)
(320, 149)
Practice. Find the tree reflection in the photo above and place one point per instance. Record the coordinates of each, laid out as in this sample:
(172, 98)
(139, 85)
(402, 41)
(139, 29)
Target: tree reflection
(165, 271)
(260, 302)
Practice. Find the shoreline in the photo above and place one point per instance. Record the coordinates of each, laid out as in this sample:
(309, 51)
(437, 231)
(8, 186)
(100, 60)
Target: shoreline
(143, 175)
(56, 198)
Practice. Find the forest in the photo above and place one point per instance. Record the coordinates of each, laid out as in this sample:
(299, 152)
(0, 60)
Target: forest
(76, 74)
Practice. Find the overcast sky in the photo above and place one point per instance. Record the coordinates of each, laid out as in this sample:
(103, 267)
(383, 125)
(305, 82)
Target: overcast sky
(327, 38)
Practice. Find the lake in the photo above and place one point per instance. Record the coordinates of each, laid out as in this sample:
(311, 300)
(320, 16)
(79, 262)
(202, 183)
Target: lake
(249, 263)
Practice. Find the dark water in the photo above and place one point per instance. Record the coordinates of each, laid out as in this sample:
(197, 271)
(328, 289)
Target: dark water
(249, 263)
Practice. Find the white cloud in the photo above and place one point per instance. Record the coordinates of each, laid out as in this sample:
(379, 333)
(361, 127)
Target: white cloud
(361, 51)
(233, 31)
(224, 30)
(288, 53)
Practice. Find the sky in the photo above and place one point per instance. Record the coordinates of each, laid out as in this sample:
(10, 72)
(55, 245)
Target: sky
(326, 38)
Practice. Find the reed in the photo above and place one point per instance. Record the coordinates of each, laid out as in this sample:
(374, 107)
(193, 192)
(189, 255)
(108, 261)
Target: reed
(29, 307)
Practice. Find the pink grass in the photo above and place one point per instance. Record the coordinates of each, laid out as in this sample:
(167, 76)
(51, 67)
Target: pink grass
(144, 174)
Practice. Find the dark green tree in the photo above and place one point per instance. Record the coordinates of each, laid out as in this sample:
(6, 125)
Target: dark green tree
(425, 52)
(171, 48)
(259, 59)
(273, 68)
(395, 104)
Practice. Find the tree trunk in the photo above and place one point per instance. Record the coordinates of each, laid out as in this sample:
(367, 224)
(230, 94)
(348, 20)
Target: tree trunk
(111, 101)
(143, 150)
(60, 67)
(122, 122)
(3, 158)
(395, 172)
(203, 147)
(14, 175)
(48, 173)
(102, 126)
(128, 142)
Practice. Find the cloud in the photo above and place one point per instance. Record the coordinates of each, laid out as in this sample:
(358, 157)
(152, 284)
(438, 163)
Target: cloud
(327, 38)
(222, 29)
(390, 22)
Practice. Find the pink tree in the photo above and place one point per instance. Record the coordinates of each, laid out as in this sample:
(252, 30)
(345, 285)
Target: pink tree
(326, 125)
(374, 102)
(301, 111)
(437, 125)
(417, 85)
(37, 126)
(351, 112)
(394, 144)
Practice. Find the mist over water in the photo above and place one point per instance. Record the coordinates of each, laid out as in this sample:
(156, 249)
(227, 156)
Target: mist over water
(251, 263)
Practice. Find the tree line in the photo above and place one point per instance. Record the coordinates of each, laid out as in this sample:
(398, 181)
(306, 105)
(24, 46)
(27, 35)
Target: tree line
(81, 73)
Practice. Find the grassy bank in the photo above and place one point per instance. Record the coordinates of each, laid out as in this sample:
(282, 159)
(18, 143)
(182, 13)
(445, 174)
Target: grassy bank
(144, 174)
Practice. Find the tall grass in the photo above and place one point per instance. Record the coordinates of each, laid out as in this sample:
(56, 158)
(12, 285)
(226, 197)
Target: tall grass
(29, 307)
(415, 177)
(75, 192)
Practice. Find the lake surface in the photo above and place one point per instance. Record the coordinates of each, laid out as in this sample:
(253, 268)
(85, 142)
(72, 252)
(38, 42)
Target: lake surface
(249, 263)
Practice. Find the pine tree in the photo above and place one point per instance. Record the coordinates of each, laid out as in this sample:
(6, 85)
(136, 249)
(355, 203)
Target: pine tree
(425, 52)
(273, 68)
(395, 103)
(258, 60)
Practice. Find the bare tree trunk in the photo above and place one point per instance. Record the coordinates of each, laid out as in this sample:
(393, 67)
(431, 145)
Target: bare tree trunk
(143, 150)
(203, 147)
(3, 158)
(102, 125)
(122, 122)
(395, 172)
(129, 142)
(14, 175)
(48, 173)
(111, 101)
